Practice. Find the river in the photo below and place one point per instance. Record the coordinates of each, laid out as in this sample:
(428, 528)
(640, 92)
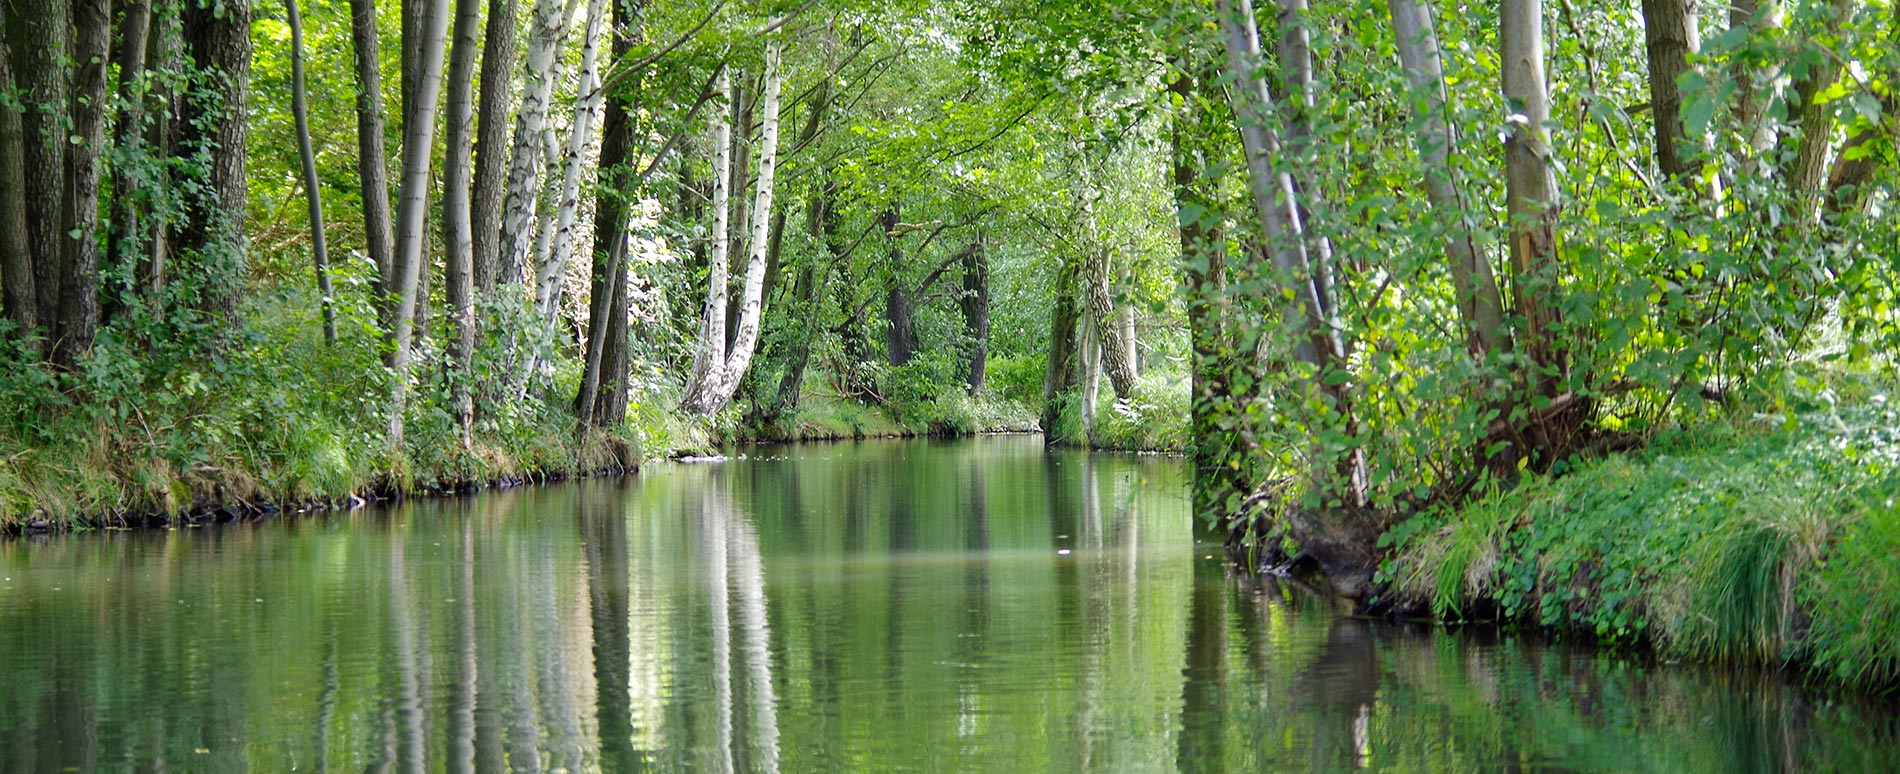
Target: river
(883, 606)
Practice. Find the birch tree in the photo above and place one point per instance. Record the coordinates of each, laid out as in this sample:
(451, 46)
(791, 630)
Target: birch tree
(552, 270)
(547, 30)
(717, 369)
(1530, 187)
(491, 141)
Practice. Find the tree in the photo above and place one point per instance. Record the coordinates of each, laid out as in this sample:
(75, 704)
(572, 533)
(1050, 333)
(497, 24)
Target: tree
(372, 161)
(16, 254)
(604, 364)
(1479, 304)
(546, 32)
(319, 251)
(37, 32)
(457, 237)
(214, 128)
(412, 219)
(713, 382)
(1671, 36)
(491, 141)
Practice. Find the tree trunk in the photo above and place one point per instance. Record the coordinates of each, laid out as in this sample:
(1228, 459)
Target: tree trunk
(547, 32)
(1847, 182)
(217, 123)
(1295, 51)
(709, 356)
(412, 219)
(16, 254)
(975, 304)
(458, 267)
(79, 276)
(1064, 322)
(1670, 37)
(1479, 304)
(1531, 190)
(1751, 102)
(1101, 306)
(372, 160)
(607, 313)
(552, 272)
(1343, 539)
(128, 241)
(822, 225)
(900, 332)
(491, 141)
(1814, 123)
(38, 30)
(319, 251)
(739, 358)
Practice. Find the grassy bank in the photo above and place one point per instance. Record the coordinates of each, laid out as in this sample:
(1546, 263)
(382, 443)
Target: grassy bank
(1765, 541)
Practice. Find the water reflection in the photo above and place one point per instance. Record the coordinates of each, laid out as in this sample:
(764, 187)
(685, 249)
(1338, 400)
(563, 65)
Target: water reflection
(873, 607)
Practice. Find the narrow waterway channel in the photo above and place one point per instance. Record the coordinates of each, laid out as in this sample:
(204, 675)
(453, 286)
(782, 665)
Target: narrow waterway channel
(923, 606)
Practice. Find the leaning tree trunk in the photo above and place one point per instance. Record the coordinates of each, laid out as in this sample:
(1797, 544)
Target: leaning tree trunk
(1531, 191)
(1295, 51)
(216, 123)
(547, 32)
(714, 395)
(491, 141)
(313, 195)
(372, 160)
(1479, 304)
(458, 248)
(38, 34)
(1670, 36)
(1342, 539)
(552, 272)
(16, 255)
(1102, 315)
(418, 144)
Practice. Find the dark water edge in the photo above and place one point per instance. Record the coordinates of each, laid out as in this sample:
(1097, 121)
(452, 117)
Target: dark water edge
(879, 606)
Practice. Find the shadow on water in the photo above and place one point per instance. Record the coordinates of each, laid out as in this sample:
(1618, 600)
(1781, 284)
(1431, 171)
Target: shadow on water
(900, 606)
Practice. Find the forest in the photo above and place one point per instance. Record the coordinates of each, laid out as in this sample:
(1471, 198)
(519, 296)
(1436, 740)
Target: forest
(1404, 279)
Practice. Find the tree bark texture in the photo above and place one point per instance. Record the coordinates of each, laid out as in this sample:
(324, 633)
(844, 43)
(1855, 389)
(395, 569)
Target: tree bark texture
(1813, 133)
(16, 255)
(1062, 367)
(552, 273)
(217, 124)
(709, 357)
(458, 267)
(79, 271)
(313, 193)
(128, 242)
(1479, 304)
(372, 159)
(739, 358)
(607, 312)
(1670, 36)
(1101, 306)
(975, 305)
(1531, 187)
(38, 32)
(491, 141)
(547, 31)
(412, 217)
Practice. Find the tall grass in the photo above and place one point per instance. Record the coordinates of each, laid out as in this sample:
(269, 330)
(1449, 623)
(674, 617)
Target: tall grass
(1739, 543)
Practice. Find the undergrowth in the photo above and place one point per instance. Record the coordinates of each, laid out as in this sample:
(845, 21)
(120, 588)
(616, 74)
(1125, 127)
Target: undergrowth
(1765, 541)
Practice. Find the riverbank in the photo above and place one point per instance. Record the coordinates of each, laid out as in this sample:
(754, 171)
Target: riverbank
(1767, 541)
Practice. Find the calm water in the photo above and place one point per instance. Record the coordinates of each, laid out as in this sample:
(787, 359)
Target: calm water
(890, 606)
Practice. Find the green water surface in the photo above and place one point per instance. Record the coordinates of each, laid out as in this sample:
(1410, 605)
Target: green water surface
(881, 606)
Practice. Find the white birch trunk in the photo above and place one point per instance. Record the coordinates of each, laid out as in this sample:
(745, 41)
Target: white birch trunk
(710, 356)
(723, 375)
(553, 270)
(547, 29)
